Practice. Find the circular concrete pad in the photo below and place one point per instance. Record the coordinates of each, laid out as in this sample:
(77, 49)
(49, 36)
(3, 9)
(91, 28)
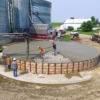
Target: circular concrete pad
(74, 51)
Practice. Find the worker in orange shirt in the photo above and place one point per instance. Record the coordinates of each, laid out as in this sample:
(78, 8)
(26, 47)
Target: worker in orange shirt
(41, 51)
(8, 62)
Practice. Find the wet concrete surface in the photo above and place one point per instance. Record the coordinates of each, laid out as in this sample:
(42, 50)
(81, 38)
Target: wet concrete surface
(74, 51)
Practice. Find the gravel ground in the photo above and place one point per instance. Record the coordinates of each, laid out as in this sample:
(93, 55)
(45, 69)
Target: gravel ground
(15, 90)
(49, 57)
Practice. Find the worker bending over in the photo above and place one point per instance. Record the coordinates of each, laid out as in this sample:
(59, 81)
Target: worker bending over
(41, 51)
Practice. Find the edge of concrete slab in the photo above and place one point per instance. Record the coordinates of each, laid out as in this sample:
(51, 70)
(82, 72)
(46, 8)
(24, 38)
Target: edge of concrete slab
(48, 79)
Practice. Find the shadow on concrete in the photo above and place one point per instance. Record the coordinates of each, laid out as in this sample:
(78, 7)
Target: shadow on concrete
(72, 74)
(22, 73)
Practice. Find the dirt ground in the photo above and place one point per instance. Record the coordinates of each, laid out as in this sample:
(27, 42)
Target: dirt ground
(15, 90)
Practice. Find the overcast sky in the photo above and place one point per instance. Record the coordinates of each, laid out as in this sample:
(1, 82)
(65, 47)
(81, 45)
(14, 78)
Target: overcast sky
(64, 9)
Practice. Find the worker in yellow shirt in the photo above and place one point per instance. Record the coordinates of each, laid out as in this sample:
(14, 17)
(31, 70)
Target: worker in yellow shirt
(8, 62)
(41, 51)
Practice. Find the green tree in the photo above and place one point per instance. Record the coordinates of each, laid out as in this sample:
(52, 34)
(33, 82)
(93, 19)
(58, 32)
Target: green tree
(93, 20)
(72, 18)
(70, 28)
(87, 26)
(97, 21)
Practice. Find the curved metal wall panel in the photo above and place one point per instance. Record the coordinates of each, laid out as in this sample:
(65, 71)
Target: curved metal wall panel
(4, 22)
(44, 11)
(20, 11)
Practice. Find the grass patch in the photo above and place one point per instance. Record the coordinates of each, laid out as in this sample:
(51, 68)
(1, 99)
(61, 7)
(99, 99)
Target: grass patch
(3, 80)
(67, 31)
(96, 27)
(86, 33)
(1, 48)
(56, 24)
(66, 38)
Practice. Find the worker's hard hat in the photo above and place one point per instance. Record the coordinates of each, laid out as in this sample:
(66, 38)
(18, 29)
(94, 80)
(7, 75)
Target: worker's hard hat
(14, 58)
(38, 46)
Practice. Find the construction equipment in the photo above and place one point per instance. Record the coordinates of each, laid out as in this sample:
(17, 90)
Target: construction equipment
(95, 37)
(41, 30)
(30, 16)
(75, 36)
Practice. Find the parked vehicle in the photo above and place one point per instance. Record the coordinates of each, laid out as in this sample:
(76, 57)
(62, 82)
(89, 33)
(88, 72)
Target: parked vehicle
(50, 32)
(95, 37)
(62, 31)
(73, 32)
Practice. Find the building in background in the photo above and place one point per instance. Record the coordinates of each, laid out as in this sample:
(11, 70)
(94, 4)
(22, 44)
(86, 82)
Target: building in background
(75, 23)
(41, 11)
(21, 21)
(31, 16)
(4, 20)
(38, 10)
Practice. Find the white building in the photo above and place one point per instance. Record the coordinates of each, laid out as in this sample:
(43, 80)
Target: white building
(76, 23)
